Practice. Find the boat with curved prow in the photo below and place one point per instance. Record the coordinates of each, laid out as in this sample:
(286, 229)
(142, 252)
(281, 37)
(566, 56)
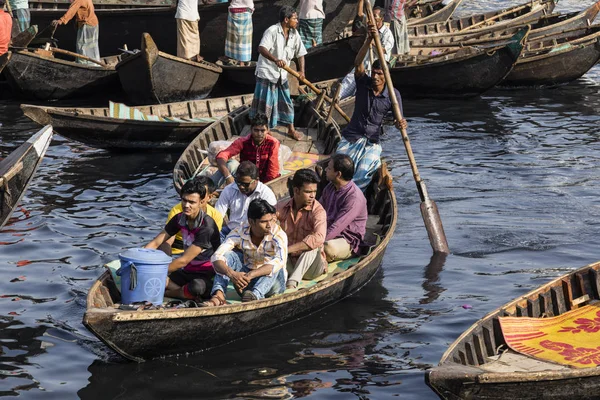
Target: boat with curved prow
(143, 335)
(479, 364)
(431, 11)
(152, 76)
(17, 169)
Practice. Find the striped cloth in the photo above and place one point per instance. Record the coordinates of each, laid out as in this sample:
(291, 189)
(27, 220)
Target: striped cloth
(23, 18)
(87, 43)
(238, 41)
(274, 100)
(309, 30)
(121, 111)
(400, 30)
(366, 157)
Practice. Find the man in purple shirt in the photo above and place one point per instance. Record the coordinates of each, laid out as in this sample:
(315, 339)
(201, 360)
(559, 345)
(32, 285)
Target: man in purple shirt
(346, 209)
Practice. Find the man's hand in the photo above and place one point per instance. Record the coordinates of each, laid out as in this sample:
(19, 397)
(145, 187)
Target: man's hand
(229, 179)
(55, 23)
(240, 280)
(280, 63)
(372, 29)
(402, 124)
(301, 75)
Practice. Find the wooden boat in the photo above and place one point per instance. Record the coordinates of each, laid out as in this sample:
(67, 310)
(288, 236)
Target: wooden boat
(557, 59)
(152, 76)
(96, 128)
(478, 365)
(18, 168)
(466, 72)
(487, 22)
(544, 27)
(336, 56)
(431, 11)
(22, 39)
(40, 74)
(142, 335)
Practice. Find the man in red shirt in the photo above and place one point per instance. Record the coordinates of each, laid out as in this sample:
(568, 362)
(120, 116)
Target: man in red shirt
(5, 28)
(259, 147)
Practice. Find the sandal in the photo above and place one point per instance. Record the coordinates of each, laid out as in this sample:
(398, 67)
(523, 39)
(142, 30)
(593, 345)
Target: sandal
(248, 296)
(214, 301)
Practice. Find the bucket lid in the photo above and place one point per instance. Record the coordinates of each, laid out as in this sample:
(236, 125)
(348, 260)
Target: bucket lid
(145, 256)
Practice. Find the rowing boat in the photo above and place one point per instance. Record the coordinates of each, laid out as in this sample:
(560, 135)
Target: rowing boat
(18, 168)
(152, 76)
(40, 74)
(431, 11)
(142, 335)
(22, 39)
(480, 364)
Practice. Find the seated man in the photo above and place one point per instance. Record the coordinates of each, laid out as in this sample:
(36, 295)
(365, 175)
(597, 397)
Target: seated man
(258, 147)
(175, 243)
(346, 209)
(236, 197)
(253, 257)
(191, 274)
(304, 221)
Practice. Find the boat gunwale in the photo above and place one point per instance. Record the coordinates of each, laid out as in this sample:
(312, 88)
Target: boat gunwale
(26, 53)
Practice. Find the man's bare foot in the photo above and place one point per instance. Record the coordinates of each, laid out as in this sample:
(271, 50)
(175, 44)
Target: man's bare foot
(294, 134)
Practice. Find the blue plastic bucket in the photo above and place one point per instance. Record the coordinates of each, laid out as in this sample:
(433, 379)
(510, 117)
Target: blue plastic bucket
(143, 275)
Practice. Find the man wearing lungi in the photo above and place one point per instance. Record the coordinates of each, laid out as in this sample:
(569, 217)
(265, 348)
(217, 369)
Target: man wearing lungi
(188, 35)
(311, 22)
(20, 12)
(278, 46)
(360, 138)
(238, 42)
(87, 28)
(399, 27)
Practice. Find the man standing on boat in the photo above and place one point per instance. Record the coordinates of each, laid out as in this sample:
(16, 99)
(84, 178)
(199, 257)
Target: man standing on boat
(346, 209)
(87, 28)
(253, 257)
(5, 29)
(21, 14)
(304, 221)
(310, 27)
(259, 147)
(238, 42)
(190, 275)
(236, 197)
(398, 25)
(278, 46)
(361, 137)
(188, 35)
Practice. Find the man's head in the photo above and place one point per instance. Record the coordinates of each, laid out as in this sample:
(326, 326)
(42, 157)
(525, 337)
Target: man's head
(2, 3)
(246, 177)
(288, 17)
(304, 187)
(378, 13)
(259, 128)
(194, 196)
(340, 169)
(261, 217)
(377, 75)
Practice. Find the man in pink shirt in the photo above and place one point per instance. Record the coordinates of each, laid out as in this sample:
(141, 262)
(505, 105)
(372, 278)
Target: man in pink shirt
(304, 221)
(5, 28)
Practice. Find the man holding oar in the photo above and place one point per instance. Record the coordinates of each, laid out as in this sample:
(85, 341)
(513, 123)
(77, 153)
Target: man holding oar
(360, 138)
(87, 28)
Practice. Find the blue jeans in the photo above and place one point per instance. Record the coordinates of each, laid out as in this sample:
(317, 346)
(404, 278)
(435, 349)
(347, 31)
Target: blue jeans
(219, 179)
(225, 230)
(263, 286)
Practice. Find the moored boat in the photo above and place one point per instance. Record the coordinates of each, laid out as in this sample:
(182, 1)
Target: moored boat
(142, 335)
(431, 11)
(22, 39)
(152, 76)
(18, 168)
(40, 74)
(482, 364)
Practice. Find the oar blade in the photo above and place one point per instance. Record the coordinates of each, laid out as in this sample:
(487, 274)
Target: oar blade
(433, 224)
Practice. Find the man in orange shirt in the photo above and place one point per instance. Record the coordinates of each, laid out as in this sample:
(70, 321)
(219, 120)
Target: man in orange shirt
(5, 29)
(87, 28)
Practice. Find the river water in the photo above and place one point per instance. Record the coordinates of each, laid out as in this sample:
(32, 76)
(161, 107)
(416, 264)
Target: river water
(514, 174)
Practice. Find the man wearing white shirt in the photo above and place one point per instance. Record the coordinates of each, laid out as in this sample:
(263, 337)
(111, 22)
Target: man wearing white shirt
(311, 17)
(188, 35)
(236, 196)
(279, 45)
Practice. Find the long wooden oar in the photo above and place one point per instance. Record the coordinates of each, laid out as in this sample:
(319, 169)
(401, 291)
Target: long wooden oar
(77, 55)
(317, 91)
(429, 210)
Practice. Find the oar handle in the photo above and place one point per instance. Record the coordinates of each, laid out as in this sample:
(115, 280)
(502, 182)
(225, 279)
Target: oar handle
(77, 55)
(316, 90)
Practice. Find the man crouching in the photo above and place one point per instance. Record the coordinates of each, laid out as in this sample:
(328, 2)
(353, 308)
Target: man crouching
(253, 257)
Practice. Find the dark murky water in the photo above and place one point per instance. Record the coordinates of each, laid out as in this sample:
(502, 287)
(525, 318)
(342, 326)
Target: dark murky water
(515, 177)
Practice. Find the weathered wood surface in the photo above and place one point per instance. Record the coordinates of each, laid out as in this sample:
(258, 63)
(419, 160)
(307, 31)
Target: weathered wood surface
(18, 168)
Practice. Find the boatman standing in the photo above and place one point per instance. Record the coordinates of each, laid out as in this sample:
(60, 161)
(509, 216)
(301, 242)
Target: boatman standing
(279, 45)
(188, 35)
(311, 22)
(5, 29)
(238, 42)
(21, 14)
(87, 28)
(397, 17)
(360, 138)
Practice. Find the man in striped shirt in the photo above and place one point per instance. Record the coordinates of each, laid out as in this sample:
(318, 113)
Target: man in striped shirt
(253, 257)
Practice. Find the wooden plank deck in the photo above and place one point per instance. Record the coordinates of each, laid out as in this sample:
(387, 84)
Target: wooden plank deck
(511, 361)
